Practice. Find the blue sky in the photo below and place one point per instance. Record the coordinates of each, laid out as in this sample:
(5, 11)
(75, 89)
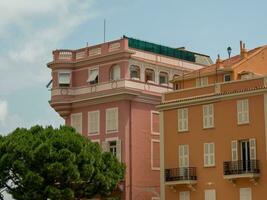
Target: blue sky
(30, 30)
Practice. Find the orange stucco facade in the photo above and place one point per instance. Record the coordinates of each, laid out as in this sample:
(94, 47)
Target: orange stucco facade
(214, 133)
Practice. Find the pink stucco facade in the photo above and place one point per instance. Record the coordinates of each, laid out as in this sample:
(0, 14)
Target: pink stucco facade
(131, 95)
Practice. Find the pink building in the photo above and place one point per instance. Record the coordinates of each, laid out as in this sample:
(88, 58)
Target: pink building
(108, 92)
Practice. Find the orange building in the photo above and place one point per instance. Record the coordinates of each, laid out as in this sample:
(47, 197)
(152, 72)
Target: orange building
(214, 131)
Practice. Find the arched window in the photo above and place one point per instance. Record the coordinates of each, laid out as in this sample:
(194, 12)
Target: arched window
(149, 75)
(163, 78)
(115, 73)
(135, 72)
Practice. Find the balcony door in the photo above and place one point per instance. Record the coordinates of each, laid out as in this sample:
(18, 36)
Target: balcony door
(245, 155)
(183, 160)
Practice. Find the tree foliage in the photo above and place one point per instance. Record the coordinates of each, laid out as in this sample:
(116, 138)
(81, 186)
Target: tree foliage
(46, 163)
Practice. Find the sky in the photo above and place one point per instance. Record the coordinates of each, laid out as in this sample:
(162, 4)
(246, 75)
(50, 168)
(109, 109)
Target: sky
(30, 30)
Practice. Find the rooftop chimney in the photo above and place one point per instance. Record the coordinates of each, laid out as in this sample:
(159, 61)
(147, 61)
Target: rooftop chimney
(243, 51)
(219, 62)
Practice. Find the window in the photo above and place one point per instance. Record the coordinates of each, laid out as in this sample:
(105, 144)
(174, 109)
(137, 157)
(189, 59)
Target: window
(245, 194)
(112, 145)
(64, 79)
(208, 116)
(183, 156)
(202, 81)
(227, 77)
(242, 111)
(210, 194)
(184, 195)
(246, 149)
(155, 160)
(154, 122)
(234, 147)
(135, 72)
(163, 78)
(111, 120)
(115, 73)
(178, 85)
(209, 154)
(182, 119)
(93, 122)
(149, 75)
(93, 76)
(76, 122)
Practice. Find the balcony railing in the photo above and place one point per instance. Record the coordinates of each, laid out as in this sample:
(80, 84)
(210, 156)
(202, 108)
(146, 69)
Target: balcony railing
(241, 167)
(181, 174)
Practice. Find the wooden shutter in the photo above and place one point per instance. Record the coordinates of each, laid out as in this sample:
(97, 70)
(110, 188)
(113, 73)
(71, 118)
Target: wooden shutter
(234, 147)
(239, 111)
(245, 194)
(245, 110)
(184, 195)
(180, 121)
(93, 122)
(211, 116)
(210, 194)
(118, 150)
(205, 116)
(183, 156)
(76, 122)
(185, 112)
(252, 148)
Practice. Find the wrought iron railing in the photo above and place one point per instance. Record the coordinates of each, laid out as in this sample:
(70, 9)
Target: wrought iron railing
(180, 174)
(241, 167)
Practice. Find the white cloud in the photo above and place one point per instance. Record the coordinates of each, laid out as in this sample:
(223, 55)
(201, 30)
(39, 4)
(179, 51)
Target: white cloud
(30, 30)
(3, 112)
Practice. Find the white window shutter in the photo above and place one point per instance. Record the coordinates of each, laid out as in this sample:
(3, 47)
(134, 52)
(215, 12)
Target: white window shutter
(252, 146)
(180, 122)
(185, 119)
(118, 148)
(234, 147)
(184, 195)
(211, 115)
(181, 155)
(206, 154)
(212, 154)
(105, 146)
(239, 111)
(205, 116)
(245, 193)
(210, 194)
(245, 110)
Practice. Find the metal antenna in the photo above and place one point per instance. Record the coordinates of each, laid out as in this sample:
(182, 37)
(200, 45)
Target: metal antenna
(104, 30)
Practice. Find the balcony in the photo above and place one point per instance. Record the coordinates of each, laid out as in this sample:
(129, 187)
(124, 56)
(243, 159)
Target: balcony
(233, 170)
(181, 176)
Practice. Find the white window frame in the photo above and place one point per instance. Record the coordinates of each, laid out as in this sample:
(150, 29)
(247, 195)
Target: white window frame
(89, 72)
(70, 77)
(118, 146)
(184, 195)
(210, 194)
(154, 75)
(242, 111)
(151, 122)
(112, 73)
(202, 81)
(247, 191)
(208, 116)
(225, 75)
(209, 155)
(152, 154)
(167, 78)
(183, 158)
(98, 123)
(182, 115)
(71, 121)
(116, 122)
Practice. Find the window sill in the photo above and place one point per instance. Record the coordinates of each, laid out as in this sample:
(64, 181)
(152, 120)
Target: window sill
(210, 166)
(183, 131)
(242, 123)
(207, 128)
(93, 134)
(113, 131)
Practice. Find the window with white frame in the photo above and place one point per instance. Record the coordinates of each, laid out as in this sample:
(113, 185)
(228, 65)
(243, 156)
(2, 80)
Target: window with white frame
(202, 81)
(76, 122)
(184, 195)
(245, 194)
(93, 76)
(208, 116)
(111, 120)
(135, 72)
(242, 111)
(154, 122)
(182, 119)
(93, 122)
(209, 154)
(155, 151)
(64, 78)
(163, 78)
(184, 156)
(115, 73)
(227, 77)
(210, 194)
(244, 150)
(149, 75)
(113, 146)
